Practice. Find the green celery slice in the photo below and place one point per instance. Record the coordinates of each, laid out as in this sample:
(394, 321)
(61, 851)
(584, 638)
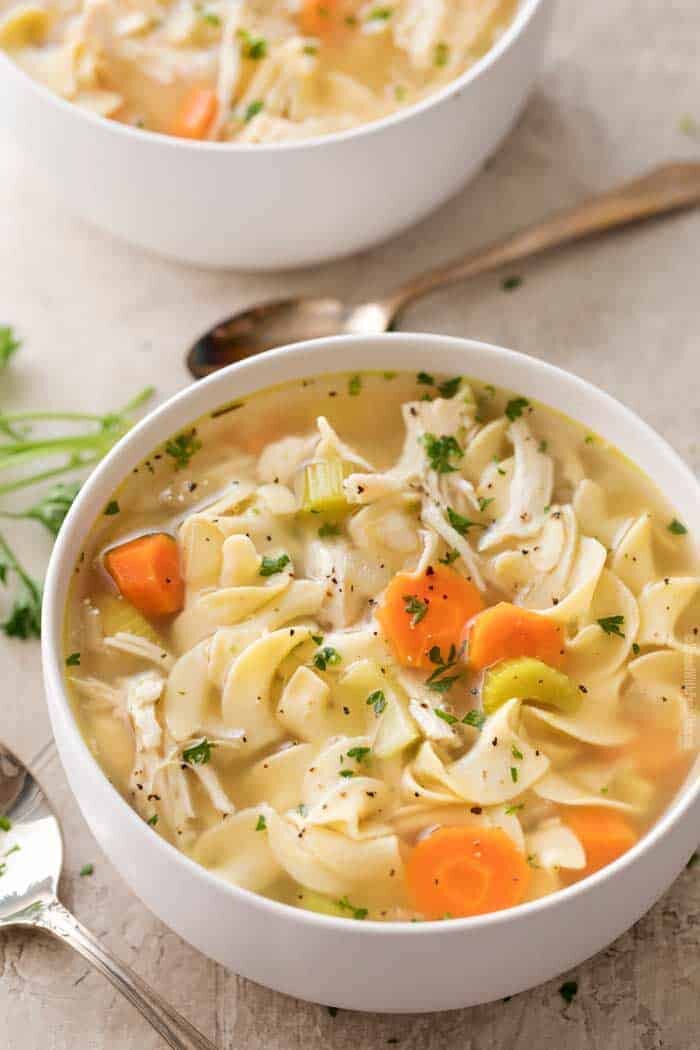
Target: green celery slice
(323, 487)
(531, 680)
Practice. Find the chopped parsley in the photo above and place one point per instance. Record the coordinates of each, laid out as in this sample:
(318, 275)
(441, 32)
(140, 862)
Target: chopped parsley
(354, 385)
(542, 447)
(111, 509)
(484, 502)
(509, 284)
(425, 378)
(474, 718)
(461, 524)
(9, 344)
(182, 448)
(328, 529)
(445, 716)
(514, 774)
(635, 649)
(326, 657)
(5, 823)
(262, 824)
(612, 625)
(87, 869)
(439, 681)
(198, 754)
(514, 408)
(152, 821)
(440, 451)
(317, 638)
(357, 913)
(270, 566)
(253, 47)
(377, 701)
(449, 387)
(211, 18)
(380, 14)
(415, 607)
(252, 109)
(516, 752)
(360, 754)
(514, 808)
(450, 557)
(347, 773)
(568, 991)
(441, 54)
(73, 660)
(677, 527)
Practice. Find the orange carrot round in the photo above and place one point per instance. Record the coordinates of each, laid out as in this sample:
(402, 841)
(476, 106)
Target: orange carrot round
(147, 572)
(505, 631)
(604, 834)
(324, 18)
(421, 612)
(461, 871)
(196, 113)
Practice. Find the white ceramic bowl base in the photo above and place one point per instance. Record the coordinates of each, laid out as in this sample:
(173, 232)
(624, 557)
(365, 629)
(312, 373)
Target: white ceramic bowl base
(366, 965)
(270, 207)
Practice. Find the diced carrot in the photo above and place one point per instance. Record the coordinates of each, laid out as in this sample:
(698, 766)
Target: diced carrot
(421, 612)
(196, 113)
(461, 871)
(604, 834)
(147, 572)
(324, 18)
(505, 631)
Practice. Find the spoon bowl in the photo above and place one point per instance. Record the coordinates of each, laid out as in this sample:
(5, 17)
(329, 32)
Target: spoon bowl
(31, 858)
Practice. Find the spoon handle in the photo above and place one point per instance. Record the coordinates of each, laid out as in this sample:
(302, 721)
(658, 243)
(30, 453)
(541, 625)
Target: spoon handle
(665, 189)
(175, 1030)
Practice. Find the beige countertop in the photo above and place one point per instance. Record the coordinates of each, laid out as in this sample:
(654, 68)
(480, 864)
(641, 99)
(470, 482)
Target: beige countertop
(100, 320)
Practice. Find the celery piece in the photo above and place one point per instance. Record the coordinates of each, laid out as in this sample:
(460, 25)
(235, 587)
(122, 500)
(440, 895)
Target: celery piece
(323, 487)
(117, 614)
(531, 680)
(396, 731)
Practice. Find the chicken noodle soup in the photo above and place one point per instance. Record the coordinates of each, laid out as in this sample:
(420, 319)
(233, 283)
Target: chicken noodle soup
(248, 70)
(421, 663)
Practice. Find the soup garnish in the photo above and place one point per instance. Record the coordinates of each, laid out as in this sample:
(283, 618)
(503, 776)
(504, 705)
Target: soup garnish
(231, 70)
(419, 663)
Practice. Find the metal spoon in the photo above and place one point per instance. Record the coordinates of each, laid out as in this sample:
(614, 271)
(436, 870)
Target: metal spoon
(31, 854)
(261, 327)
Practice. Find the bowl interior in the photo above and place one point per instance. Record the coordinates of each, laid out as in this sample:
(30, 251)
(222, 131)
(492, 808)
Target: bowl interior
(398, 351)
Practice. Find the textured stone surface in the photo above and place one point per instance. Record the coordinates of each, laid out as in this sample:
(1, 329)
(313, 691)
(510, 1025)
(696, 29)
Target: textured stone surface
(100, 320)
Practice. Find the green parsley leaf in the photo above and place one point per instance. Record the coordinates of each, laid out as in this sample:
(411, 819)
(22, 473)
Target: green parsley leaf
(425, 378)
(87, 869)
(317, 638)
(442, 685)
(198, 754)
(271, 566)
(152, 821)
(377, 701)
(445, 716)
(111, 509)
(24, 620)
(441, 54)
(347, 773)
(9, 344)
(5, 823)
(328, 529)
(253, 47)
(380, 14)
(415, 607)
(73, 660)
(52, 509)
(474, 718)
(449, 387)
(326, 657)
(514, 808)
(440, 450)
(360, 754)
(612, 624)
(357, 913)
(461, 524)
(252, 109)
(516, 752)
(262, 824)
(183, 447)
(677, 527)
(542, 447)
(450, 557)
(568, 991)
(509, 284)
(211, 18)
(514, 774)
(514, 408)
(484, 502)
(635, 649)
(354, 386)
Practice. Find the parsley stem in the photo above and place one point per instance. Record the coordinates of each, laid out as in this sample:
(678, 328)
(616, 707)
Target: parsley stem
(33, 479)
(18, 570)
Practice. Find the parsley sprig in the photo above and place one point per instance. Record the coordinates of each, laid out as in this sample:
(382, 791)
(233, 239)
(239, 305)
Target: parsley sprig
(440, 681)
(441, 452)
(612, 625)
(415, 607)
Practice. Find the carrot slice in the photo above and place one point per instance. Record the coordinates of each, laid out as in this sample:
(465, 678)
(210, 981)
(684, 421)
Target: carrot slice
(604, 834)
(196, 113)
(325, 18)
(147, 572)
(421, 612)
(505, 631)
(460, 871)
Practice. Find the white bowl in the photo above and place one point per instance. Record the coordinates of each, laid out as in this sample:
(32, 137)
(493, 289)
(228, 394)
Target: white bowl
(274, 206)
(368, 965)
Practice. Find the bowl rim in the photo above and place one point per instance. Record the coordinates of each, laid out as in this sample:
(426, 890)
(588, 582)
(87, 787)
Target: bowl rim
(515, 29)
(140, 440)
